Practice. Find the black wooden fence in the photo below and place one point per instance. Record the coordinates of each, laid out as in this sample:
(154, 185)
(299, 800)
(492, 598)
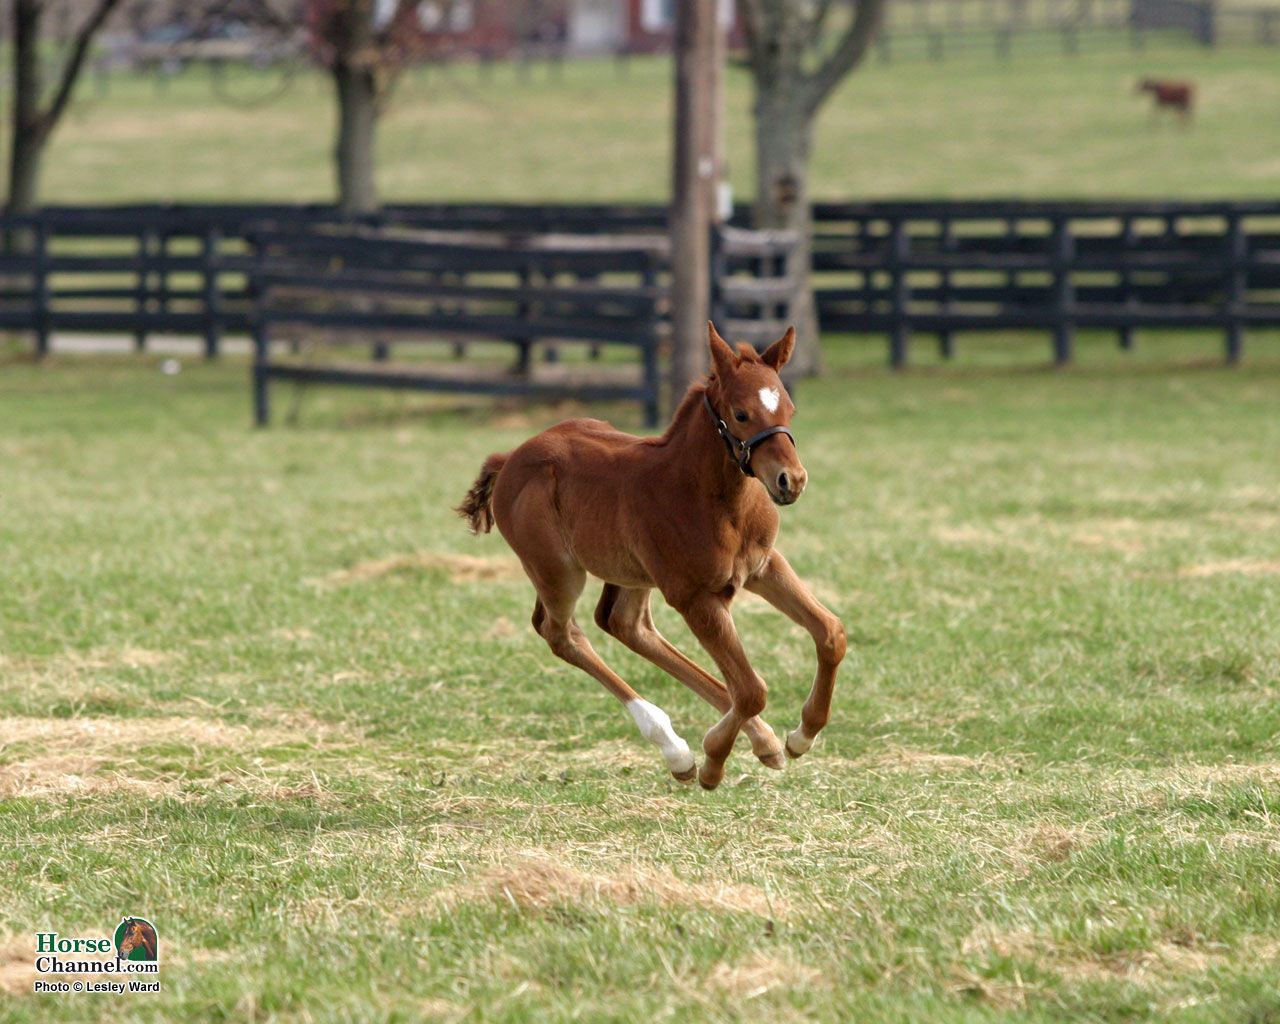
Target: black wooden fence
(946, 267)
(941, 29)
(886, 267)
(356, 288)
(1209, 22)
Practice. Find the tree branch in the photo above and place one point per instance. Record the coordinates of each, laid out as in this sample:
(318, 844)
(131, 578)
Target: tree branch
(848, 53)
(818, 21)
(71, 69)
(255, 12)
(756, 27)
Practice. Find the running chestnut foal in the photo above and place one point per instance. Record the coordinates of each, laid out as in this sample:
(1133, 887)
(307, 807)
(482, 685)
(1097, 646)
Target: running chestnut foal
(691, 513)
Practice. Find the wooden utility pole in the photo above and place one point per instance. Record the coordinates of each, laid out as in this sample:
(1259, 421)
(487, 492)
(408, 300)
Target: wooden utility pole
(699, 65)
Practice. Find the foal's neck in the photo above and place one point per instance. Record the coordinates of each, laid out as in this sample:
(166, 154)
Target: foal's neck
(692, 444)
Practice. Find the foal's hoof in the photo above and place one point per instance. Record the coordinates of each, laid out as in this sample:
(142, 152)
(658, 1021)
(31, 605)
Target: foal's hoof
(774, 760)
(687, 775)
(709, 779)
(798, 744)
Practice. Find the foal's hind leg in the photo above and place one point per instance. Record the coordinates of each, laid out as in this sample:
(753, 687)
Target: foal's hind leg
(624, 613)
(532, 531)
(553, 619)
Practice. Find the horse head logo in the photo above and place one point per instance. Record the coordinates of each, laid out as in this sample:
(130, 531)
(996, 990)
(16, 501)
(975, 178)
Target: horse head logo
(136, 940)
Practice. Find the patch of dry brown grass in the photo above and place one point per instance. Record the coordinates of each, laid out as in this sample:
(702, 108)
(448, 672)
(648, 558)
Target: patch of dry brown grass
(1052, 844)
(460, 568)
(759, 973)
(71, 754)
(501, 629)
(17, 964)
(1175, 956)
(1008, 534)
(72, 664)
(1252, 522)
(897, 758)
(996, 992)
(74, 775)
(441, 1009)
(1231, 772)
(540, 879)
(1232, 567)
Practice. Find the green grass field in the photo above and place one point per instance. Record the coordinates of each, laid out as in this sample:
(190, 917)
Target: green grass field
(263, 689)
(1037, 125)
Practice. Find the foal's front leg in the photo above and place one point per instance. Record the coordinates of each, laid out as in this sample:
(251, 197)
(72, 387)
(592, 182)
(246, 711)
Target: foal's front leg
(709, 619)
(778, 584)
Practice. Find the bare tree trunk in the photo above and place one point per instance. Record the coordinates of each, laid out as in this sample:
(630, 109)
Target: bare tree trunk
(34, 120)
(27, 142)
(24, 173)
(795, 72)
(354, 152)
(784, 135)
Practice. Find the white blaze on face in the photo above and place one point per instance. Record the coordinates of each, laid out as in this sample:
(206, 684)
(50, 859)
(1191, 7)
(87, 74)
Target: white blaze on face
(655, 726)
(769, 398)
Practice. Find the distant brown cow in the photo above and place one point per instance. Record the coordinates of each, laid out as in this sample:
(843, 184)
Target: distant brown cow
(1170, 94)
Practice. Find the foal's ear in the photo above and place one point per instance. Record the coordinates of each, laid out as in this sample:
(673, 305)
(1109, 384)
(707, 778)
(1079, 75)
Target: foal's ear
(777, 354)
(723, 361)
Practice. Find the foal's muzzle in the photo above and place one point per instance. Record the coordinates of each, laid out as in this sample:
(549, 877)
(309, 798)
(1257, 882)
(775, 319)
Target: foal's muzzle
(786, 485)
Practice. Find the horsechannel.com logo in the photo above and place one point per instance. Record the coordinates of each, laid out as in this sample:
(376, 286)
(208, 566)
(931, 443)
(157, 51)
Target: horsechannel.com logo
(134, 949)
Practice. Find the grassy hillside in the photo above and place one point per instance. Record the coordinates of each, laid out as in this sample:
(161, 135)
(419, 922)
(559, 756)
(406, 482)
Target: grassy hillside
(1036, 125)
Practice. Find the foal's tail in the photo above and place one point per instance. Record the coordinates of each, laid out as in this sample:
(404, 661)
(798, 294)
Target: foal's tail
(476, 506)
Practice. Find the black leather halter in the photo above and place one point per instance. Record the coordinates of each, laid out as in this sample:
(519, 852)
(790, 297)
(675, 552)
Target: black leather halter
(739, 450)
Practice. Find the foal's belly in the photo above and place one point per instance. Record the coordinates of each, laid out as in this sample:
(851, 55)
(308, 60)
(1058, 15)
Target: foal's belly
(613, 565)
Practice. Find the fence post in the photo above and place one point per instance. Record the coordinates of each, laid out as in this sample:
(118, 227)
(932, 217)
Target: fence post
(652, 372)
(1237, 285)
(946, 345)
(212, 294)
(146, 239)
(1004, 41)
(523, 309)
(261, 350)
(719, 264)
(455, 307)
(40, 239)
(1063, 253)
(1207, 23)
(900, 331)
(163, 238)
(545, 280)
(1128, 237)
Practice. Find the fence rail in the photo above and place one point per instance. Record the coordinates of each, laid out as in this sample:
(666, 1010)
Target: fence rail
(938, 29)
(891, 267)
(371, 286)
(948, 267)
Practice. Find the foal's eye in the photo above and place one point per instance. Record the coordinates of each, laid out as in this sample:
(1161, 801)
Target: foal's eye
(739, 415)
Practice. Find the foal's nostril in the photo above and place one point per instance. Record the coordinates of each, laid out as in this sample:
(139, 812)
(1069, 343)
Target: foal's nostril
(783, 482)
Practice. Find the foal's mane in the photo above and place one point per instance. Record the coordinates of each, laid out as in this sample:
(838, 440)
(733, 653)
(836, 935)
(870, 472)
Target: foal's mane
(746, 354)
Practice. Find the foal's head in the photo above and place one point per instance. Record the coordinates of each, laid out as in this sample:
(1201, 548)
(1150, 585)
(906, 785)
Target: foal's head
(747, 394)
